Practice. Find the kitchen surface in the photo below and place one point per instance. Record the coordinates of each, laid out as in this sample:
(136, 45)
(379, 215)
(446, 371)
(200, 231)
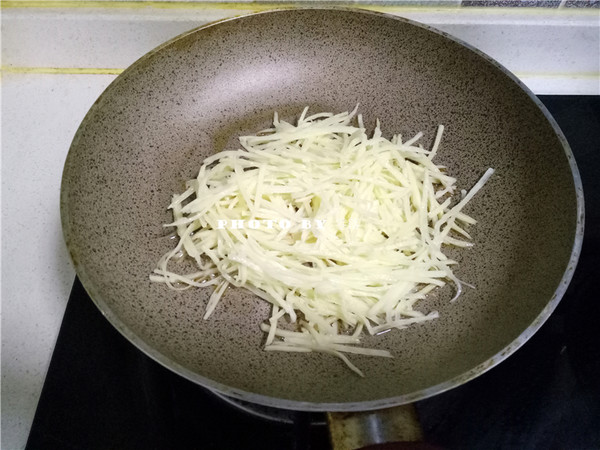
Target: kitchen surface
(100, 392)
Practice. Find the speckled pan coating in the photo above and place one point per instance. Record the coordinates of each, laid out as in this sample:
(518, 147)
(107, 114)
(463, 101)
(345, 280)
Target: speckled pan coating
(192, 97)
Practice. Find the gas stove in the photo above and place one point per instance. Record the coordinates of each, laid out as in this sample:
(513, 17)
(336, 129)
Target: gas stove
(102, 393)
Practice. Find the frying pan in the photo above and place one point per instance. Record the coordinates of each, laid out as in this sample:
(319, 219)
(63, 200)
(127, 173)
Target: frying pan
(195, 95)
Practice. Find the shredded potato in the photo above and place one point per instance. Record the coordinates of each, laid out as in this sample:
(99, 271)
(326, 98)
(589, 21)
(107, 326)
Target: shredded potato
(340, 232)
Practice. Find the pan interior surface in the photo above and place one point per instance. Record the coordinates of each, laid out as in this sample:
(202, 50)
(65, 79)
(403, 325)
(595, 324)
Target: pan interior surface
(151, 129)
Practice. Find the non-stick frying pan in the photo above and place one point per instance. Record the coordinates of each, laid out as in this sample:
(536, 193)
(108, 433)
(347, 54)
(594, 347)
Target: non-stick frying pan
(150, 130)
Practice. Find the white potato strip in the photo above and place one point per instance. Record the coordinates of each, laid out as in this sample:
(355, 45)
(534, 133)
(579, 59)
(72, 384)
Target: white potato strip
(339, 231)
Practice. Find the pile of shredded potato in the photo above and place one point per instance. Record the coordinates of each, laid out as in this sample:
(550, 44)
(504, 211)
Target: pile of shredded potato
(340, 232)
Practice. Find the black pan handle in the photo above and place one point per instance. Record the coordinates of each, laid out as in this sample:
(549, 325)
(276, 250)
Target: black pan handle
(402, 446)
(395, 428)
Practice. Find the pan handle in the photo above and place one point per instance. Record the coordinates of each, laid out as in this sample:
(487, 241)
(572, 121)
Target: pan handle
(393, 428)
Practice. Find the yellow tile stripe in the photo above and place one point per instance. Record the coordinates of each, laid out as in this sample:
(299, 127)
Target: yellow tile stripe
(265, 6)
(118, 71)
(113, 4)
(577, 75)
(63, 70)
(197, 5)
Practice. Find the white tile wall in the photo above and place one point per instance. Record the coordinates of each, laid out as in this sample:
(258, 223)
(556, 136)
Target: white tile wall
(553, 51)
(40, 114)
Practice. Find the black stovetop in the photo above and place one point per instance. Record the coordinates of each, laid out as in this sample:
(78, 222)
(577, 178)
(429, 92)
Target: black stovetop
(102, 393)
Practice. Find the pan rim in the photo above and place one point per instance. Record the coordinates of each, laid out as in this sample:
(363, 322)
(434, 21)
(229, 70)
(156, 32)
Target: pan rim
(281, 403)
